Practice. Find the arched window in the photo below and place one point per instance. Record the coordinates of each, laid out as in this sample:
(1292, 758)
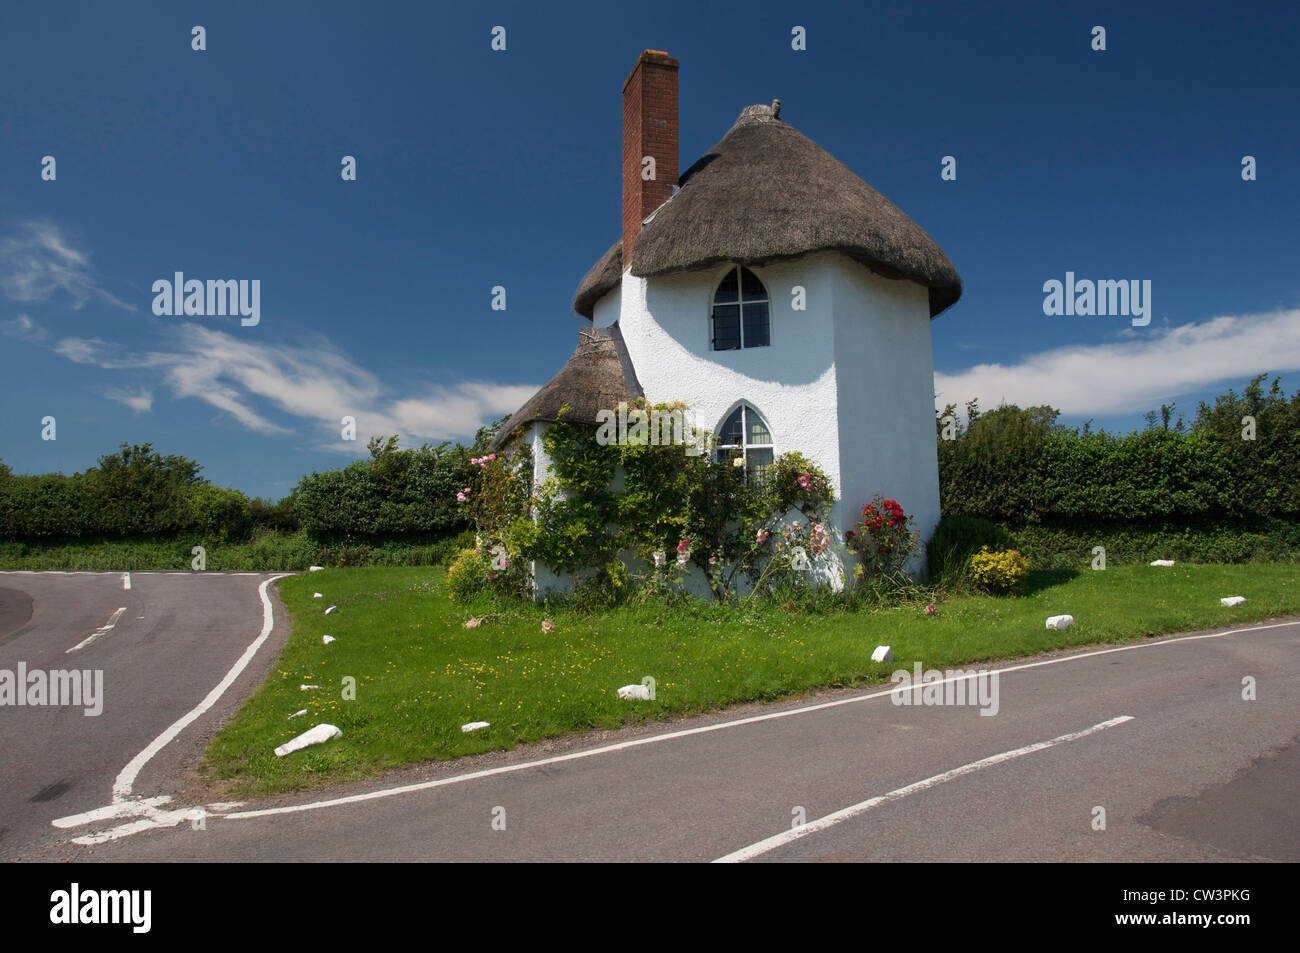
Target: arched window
(740, 312)
(745, 435)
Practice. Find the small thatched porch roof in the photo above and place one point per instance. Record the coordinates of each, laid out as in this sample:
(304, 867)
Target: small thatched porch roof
(597, 376)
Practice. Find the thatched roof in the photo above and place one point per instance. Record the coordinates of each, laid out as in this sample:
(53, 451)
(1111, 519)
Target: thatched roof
(603, 277)
(597, 376)
(768, 193)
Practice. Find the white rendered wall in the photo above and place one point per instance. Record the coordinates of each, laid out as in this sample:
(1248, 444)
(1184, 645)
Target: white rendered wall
(886, 388)
(665, 323)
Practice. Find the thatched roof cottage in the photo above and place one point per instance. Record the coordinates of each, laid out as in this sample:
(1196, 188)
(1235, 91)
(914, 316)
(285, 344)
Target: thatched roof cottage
(774, 292)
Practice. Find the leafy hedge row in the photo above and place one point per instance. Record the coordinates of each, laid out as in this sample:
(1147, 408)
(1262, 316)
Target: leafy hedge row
(1021, 468)
(138, 492)
(395, 492)
(133, 491)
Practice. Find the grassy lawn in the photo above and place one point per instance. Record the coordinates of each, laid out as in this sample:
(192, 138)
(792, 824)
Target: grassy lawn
(420, 674)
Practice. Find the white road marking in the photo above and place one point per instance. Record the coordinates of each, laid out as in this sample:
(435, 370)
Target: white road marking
(625, 745)
(116, 809)
(122, 786)
(102, 630)
(830, 820)
(687, 732)
(126, 580)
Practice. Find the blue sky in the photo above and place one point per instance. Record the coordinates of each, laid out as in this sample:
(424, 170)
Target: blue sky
(478, 168)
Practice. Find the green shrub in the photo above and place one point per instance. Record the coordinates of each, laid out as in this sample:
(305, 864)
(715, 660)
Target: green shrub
(999, 572)
(956, 539)
(467, 575)
(220, 515)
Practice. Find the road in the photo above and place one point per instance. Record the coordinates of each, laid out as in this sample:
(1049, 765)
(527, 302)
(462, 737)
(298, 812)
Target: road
(1156, 735)
(178, 635)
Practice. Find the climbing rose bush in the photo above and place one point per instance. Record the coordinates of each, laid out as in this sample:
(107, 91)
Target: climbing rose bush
(883, 538)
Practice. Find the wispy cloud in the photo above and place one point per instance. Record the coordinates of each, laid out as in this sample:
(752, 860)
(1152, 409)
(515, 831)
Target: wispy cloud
(38, 261)
(24, 328)
(1137, 373)
(313, 386)
(139, 400)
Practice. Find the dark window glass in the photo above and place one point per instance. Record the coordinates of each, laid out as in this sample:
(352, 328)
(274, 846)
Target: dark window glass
(727, 290)
(757, 327)
(741, 312)
(726, 327)
(732, 430)
(759, 464)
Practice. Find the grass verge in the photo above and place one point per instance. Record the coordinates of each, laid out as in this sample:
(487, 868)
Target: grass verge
(420, 674)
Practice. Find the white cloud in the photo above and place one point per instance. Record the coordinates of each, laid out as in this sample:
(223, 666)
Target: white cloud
(24, 328)
(39, 260)
(1138, 372)
(317, 385)
(140, 400)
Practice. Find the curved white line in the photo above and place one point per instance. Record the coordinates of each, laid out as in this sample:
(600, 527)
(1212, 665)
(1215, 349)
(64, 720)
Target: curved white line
(125, 780)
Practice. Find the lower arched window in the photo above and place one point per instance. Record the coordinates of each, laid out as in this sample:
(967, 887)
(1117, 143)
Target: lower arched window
(745, 435)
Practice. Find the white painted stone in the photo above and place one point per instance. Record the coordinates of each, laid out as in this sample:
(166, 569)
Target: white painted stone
(315, 568)
(327, 639)
(298, 713)
(312, 736)
(1060, 621)
(331, 609)
(883, 653)
(1232, 600)
(635, 692)
(475, 726)
(317, 595)
(1161, 562)
(307, 688)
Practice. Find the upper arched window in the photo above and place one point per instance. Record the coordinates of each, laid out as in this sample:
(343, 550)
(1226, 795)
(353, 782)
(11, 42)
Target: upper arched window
(740, 312)
(745, 435)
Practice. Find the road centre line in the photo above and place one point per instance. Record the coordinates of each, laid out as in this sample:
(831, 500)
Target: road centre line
(102, 630)
(770, 844)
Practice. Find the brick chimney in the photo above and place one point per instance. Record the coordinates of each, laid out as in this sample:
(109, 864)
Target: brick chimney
(649, 129)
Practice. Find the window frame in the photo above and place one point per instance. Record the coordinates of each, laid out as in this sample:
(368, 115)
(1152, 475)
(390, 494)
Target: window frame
(724, 451)
(740, 304)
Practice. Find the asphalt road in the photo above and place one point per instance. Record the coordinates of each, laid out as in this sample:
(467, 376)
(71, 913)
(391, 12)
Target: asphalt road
(1157, 735)
(178, 636)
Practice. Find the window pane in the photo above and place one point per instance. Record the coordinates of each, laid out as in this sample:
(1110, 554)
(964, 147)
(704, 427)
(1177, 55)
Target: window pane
(727, 291)
(758, 432)
(729, 434)
(726, 327)
(751, 287)
(757, 464)
(757, 327)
